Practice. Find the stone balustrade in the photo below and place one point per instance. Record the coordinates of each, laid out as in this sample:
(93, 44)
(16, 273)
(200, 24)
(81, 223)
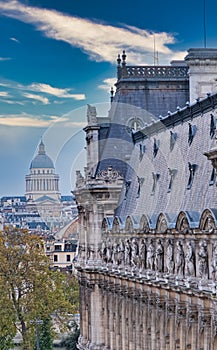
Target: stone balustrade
(154, 72)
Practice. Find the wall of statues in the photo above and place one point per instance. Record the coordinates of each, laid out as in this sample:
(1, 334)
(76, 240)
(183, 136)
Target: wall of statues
(153, 288)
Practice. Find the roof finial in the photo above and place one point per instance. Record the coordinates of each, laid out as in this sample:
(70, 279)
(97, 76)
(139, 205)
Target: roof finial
(41, 148)
(119, 60)
(112, 94)
(124, 56)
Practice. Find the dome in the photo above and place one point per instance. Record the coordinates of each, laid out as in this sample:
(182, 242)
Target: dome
(41, 160)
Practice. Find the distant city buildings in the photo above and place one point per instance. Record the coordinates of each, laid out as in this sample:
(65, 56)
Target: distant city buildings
(43, 211)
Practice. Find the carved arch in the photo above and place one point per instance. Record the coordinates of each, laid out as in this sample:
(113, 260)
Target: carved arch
(104, 225)
(129, 225)
(162, 223)
(116, 225)
(144, 226)
(182, 223)
(207, 221)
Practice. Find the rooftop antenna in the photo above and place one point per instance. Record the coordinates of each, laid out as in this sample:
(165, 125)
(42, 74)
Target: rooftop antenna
(204, 22)
(155, 53)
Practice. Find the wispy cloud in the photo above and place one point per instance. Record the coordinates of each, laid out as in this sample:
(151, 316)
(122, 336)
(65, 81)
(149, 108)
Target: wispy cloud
(48, 89)
(12, 102)
(39, 121)
(5, 59)
(100, 41)
(31, 92)
(107, 84)
(15, 40)
(23, 120)
(4, 94)
(28, 120)
(34, 97)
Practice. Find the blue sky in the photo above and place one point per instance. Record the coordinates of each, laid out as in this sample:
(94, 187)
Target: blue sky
(58, 56)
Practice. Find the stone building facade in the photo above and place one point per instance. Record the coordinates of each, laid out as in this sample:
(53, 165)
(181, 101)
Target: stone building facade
(147, 263)
(42, 186)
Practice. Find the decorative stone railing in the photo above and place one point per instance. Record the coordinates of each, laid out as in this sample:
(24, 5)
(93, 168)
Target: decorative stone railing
(181, 259)
(155, 72)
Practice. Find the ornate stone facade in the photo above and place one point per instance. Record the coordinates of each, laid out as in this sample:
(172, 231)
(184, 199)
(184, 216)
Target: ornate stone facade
(147, 263)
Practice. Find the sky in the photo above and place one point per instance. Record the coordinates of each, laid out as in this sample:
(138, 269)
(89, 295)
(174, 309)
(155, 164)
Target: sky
(56, 57)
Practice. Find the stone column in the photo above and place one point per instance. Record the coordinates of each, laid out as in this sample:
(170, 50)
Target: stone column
(169, 321)
(161, 320)
(131, 316)
(204, 325)
(192, 323)
(181, 324)
(124, 322)
(106, 313)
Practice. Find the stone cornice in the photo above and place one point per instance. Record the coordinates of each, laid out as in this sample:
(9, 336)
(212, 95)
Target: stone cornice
(188, 113)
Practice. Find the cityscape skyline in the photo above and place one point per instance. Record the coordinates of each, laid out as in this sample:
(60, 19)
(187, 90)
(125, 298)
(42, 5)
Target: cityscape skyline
(58, 57)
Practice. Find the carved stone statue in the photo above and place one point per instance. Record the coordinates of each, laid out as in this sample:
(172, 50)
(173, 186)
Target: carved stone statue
(116, 254)
(134, 253)
(159, 257)
(127, 253)
(142, 254)
(203, 260)
(108, 251)
(169, 257)
(103, 251)
(180, 259)
(150, 255)
(214, 262)
(121, 253)
(190, 260)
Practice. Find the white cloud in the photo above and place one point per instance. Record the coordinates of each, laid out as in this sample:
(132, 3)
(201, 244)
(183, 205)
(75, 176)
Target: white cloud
(5, 59)
(48, 89)
(100, 41)
(12, 102)
(22, 120)
(15, 40)
(4, 94)
(107, 84)
(42, 99)
(26, 91)
(38, 121)
(28, 120)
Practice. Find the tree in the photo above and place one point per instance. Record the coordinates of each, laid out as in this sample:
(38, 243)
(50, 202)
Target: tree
(45, 331)
(32, 290)
(7, 327)
(70, 341)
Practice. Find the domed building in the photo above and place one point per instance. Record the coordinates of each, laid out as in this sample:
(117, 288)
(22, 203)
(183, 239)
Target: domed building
(42, 185)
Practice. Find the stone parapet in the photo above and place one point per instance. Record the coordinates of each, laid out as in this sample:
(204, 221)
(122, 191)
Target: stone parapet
(154, 72)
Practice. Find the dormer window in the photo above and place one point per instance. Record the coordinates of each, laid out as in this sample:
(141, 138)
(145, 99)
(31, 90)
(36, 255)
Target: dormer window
(173, 137)
(192, 169)
(141, 151)
(140, 182)
(155, 180)
(212, 126)
(212, 178)
(172, 173)
(127, 184)
(156, 147)
(191, 133)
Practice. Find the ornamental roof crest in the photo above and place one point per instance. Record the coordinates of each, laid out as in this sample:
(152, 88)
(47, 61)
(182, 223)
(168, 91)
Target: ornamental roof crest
(109, 175)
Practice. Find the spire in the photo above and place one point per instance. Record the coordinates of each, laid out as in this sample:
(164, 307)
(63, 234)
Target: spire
(119, 60)
(112, 94)
(41, 148)
(124, 56)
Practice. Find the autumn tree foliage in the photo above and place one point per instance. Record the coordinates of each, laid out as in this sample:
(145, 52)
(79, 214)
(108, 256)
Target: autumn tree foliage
(29, 289)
